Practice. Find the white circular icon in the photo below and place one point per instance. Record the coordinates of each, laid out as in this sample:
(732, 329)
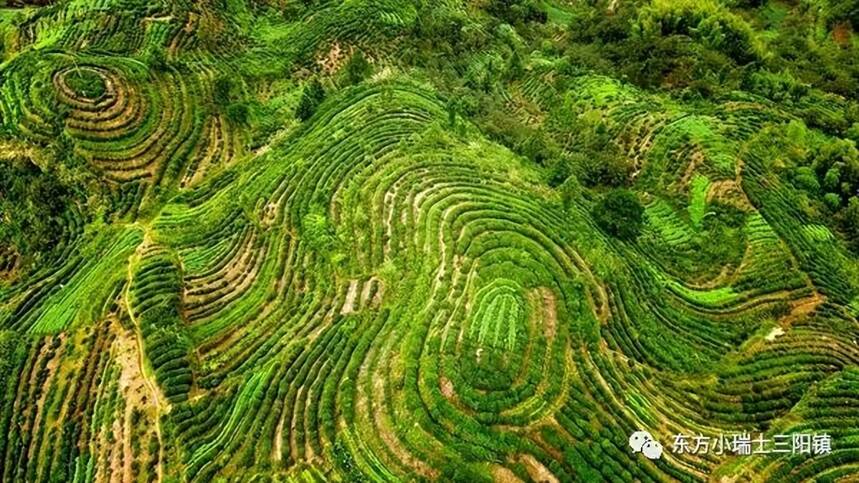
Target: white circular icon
(637, 440)
(652, 450)
(643, 442)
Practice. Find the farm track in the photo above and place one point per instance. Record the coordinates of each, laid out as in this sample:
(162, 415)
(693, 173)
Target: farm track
(151, 384)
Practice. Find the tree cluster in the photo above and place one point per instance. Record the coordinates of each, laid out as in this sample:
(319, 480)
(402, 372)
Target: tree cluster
(34, 208)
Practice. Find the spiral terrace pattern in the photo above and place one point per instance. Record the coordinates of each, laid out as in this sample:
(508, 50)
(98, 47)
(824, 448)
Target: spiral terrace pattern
(145, 126)
(465, 309)
(374, 295)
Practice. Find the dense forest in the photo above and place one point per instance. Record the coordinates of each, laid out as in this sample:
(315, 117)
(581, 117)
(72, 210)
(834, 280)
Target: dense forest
(411, 240)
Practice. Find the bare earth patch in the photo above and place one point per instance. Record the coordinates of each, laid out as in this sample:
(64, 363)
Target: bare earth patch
(351, 295)
(774, 333)
(504, 475)
(536, 469)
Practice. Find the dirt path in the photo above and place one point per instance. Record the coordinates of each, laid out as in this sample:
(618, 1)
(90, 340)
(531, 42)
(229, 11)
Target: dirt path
(154, 392)
(504, 475)
(536, 469)
(802, 307)
(351, 295)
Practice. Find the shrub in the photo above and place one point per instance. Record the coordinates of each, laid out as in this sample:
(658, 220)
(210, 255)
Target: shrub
(358, 68)
(832, 201)
(606, 168)
(707, 22)
(843, 10)
(620, 213)
(776, 86)
(238, 113)
(222, 91)
(853, 132)
(517, 11)
(86, 83)
(311, 97)
(837, 167)
(851, 222)
(34, 205)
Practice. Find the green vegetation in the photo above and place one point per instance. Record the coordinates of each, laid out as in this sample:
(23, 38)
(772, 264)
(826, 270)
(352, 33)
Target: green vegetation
(620, 213)
(86, 83)
(397, 240)
(33, 205)
(312, 95)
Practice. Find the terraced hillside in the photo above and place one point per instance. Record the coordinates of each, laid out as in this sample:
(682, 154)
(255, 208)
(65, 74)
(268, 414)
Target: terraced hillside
(399, 240)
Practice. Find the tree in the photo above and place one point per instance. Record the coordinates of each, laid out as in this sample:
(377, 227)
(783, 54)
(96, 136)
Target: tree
(515, 66)
(517, 11)
(712, 26)
(607, 168)
(837, 167)
(238, 113)
(844, 10)
(832, 201)
(222, 91)
(851, 222)
(34, 205)
(452, 112)
(805, 179)
(158, 60)
(358, 68)
(620, 214)
(853, 132)
(311, 97)
(559, 172)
